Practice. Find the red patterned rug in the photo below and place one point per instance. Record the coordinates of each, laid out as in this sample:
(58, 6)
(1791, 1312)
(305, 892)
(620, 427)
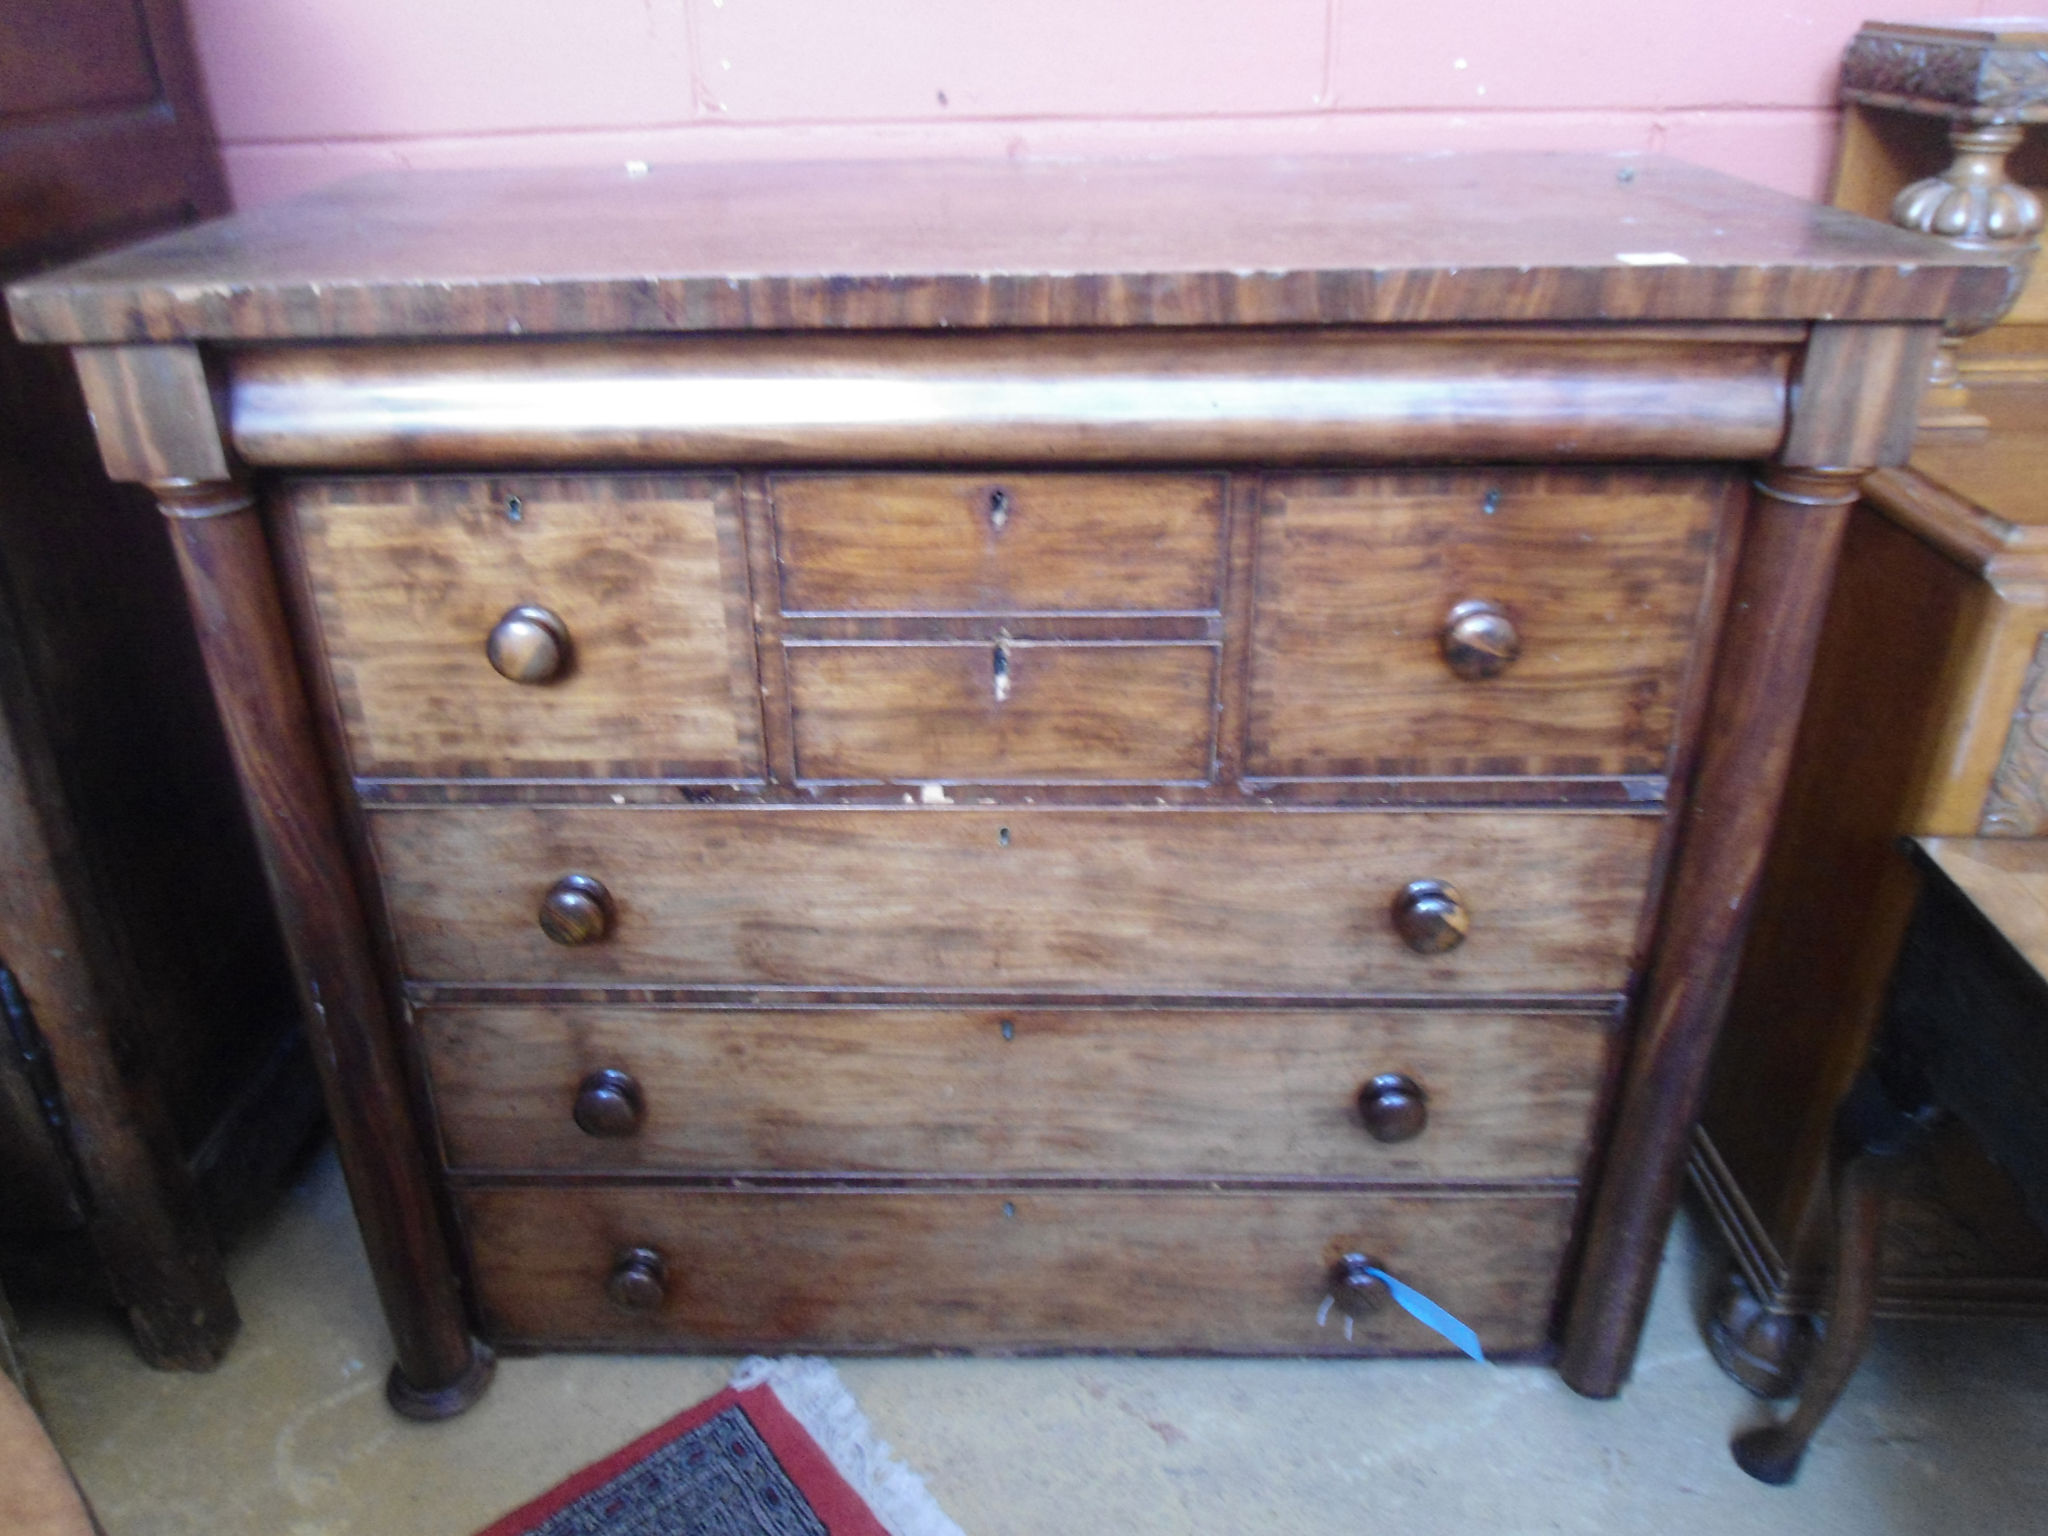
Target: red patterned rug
(783, 1451)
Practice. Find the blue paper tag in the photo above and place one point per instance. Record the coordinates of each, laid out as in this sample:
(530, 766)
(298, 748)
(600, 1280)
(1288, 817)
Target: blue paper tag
(1430, 1315)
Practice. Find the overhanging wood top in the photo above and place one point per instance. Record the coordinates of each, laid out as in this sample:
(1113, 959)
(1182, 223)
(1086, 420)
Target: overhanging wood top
(1438, 238)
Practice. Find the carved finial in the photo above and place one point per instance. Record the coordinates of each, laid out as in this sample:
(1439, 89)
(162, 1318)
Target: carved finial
(1973, 202)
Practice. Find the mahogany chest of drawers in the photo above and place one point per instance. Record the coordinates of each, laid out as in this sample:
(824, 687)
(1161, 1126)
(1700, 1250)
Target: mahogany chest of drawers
(1012, 757)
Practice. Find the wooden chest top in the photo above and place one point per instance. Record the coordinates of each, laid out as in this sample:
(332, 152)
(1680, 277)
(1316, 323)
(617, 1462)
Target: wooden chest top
(1306, 241)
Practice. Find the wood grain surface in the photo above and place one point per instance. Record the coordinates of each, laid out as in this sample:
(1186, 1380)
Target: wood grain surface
(648, 573)
(1006, 711)
(1179, 902)
(1030, 543)
(1178, 397)
(1836, 892)
(1232, 1272)
(237, 611)
(1192, 1094)
(1789, 549)
(1321, 239)
(1601, 571)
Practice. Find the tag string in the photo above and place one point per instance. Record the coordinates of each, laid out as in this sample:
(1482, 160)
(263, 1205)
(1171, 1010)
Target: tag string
(1430, 1315)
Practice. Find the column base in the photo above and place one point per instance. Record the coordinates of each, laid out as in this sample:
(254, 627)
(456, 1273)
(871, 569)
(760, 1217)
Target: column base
(412, 1402)
(1762, 1351)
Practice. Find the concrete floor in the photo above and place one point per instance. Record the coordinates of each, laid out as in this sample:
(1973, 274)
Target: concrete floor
(1946, 1429)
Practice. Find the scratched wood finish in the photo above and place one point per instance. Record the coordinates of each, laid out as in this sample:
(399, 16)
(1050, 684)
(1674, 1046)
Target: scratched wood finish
(1109, 1092)
(1601, 572)
(1004, 711)
(647, 573)
(1180, 902)
(1030, 543)
(1023, 1269)
(1245, 240)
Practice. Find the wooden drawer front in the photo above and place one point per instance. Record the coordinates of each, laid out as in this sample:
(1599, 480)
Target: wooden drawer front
(1019, 1269)
(1142, 901)
(1033, 543)
(1003, 711)
(1102, 1091)
(408, 579)
(1600, 572)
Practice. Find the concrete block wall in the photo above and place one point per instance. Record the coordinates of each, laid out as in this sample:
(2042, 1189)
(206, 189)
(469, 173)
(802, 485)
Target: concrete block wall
(305, 91)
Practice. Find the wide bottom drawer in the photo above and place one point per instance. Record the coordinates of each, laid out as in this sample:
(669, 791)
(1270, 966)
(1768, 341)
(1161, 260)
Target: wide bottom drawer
(1109, 1092)
(1017, 1269)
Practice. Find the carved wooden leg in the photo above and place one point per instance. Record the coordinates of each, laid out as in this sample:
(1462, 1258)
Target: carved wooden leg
(231, 585)
(1780, 594)
(1759, 1349)
(1871, 1136)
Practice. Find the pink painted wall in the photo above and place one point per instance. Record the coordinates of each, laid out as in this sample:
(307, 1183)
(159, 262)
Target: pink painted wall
(305, 91)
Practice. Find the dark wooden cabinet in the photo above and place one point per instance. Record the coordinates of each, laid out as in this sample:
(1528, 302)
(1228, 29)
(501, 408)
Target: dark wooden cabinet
(152, 1079)
(1012, 757)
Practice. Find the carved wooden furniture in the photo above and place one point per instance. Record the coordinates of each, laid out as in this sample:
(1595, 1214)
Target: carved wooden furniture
(1964, 1036)
(151, 1073)
(1921, 719)
(1013, 756)
(1931, 117)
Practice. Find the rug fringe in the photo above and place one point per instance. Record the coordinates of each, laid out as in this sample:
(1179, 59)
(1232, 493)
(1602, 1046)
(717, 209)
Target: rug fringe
(817, 1399)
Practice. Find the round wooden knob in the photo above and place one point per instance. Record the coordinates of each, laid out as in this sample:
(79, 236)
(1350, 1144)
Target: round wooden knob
(576, 910)
(1480, 640)
(608, 1103)
(639, 1281)
(1354, 1288)
(529, 645)
(1430, 916)
(1393, 1106)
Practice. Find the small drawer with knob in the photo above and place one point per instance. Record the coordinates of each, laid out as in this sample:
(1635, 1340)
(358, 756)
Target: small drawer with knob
(1479, 622)
(1025, 1268)
(1004, 710)
(1368, 1093)
(999, 543)
(551, 628)
(1165, 901)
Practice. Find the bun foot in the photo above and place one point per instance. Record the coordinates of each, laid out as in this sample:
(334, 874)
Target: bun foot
(1763, 1351)
(428, 1405)
(1770, 1454)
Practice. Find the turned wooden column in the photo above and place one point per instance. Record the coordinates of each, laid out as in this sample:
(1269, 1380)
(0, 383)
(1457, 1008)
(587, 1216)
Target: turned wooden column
(1794, 532)
(1978, 206)
(225, 557)
(1785, 570)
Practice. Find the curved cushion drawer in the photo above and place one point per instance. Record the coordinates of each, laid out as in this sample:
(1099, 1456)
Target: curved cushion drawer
(1103, 1091)
(1175, 901)
(1599, 576)
(1021, 1269)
